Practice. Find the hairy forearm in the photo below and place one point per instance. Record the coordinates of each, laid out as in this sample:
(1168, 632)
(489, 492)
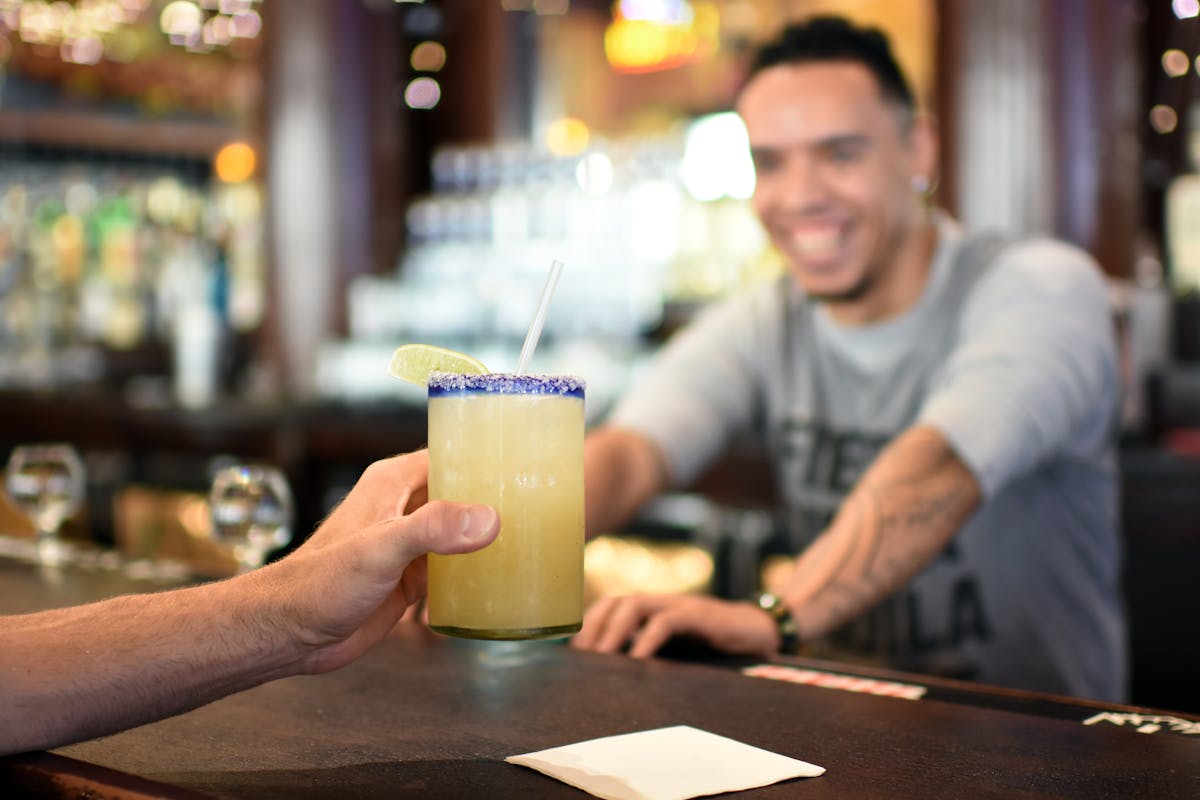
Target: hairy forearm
(903, 512)
(150, 656)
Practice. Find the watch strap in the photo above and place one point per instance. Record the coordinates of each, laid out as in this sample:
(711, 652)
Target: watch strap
(785, 624)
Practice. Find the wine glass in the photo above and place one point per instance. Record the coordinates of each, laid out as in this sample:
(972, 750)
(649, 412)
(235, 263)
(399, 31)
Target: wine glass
(46, 481)
(251, 507)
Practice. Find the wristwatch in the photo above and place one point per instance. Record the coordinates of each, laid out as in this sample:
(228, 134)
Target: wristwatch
(789, 639)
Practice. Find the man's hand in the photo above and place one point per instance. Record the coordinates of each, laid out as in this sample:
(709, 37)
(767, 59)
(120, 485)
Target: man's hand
(646, 622)
(364, 566)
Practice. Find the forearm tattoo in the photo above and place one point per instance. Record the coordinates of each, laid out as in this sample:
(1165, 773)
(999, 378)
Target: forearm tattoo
(886, 532)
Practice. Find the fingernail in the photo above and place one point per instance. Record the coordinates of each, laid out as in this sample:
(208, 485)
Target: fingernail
(476, 521)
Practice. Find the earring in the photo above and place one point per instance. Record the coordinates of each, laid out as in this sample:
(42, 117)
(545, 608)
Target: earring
(920, 184)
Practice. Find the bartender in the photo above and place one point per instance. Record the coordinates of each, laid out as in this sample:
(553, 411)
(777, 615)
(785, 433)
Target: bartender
(939, 407)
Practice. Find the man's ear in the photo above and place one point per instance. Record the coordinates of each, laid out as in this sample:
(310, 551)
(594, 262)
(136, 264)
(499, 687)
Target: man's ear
(923, 149)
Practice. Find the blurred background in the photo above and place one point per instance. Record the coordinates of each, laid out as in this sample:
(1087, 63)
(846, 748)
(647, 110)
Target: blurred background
(219, 217)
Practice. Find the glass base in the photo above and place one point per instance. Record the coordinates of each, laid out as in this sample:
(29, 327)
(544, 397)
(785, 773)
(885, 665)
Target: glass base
(509, 634)
(53, 552)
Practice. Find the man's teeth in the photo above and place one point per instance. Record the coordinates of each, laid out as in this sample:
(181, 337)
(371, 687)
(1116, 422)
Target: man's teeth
(810, 242)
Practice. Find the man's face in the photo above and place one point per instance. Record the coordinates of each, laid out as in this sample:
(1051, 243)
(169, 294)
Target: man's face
(835, 163)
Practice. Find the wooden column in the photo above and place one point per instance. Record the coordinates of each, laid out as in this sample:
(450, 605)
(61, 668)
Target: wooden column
(336, 172)
(302, 197)
(1039, 108)
(1096, 112)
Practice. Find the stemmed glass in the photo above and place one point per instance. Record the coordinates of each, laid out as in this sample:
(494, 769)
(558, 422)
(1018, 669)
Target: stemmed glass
(251, 507)
(46, 481)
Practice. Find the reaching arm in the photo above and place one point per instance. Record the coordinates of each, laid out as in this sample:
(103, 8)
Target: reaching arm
(903, 512)
(622, 472)
(80, 672)
(907, 507)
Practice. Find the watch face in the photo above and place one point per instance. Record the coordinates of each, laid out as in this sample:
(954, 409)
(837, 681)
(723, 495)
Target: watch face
(771, 604)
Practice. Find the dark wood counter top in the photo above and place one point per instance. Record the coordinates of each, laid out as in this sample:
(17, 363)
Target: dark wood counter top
(430, 717)
(433, 718)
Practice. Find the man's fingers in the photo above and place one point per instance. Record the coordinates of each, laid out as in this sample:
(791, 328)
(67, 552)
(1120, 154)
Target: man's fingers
(414, 580)
(658, 629)
(594, 621)
(612, 621)
(407, 476)
(445, 527)
(416, 498)
(622, 624)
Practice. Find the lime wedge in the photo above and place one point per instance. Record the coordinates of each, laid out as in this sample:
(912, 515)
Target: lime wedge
(414, 363)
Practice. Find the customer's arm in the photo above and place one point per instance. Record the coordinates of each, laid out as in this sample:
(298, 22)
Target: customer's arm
(80, 672)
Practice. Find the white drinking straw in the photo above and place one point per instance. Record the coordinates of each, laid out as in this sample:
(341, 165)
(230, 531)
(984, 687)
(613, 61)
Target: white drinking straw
(539, 319)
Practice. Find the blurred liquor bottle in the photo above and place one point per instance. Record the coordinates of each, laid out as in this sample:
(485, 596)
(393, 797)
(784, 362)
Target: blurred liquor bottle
(1183, 215)
(1182, 232)
(90, 259)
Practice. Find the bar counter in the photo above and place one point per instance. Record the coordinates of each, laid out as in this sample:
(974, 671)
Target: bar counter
(430, 717)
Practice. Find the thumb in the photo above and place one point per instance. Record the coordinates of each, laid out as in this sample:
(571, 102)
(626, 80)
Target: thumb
(447, 527)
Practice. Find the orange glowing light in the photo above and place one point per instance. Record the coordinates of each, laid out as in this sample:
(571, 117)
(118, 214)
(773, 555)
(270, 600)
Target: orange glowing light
(235, 162)
(428, 57)
(567, 136)
(1175, 63)
(642, 45)
(1163, 119)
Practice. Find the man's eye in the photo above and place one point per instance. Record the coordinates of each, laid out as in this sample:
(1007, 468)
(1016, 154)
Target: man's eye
(765, 163)
(844, 154)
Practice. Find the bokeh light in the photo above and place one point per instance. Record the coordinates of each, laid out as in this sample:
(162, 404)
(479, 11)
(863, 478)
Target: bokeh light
(218, 31)
(567, 136)
(84, 50)
(716, 158)
(165, 200)
(594, 173)
(422, 93)
(1185, 9)
(1163, 119)
(88, 31)
(428, 57)
(181, 21)
(1175, 63)
(246, 25)
(235, 162)
(667, 12)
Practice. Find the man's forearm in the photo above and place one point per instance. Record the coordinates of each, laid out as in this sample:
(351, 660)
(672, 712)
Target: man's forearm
(903, 512)
(622, 471)
(154, 655)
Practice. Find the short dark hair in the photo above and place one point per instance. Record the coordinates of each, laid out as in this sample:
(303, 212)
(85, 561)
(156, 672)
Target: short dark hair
(827, 38)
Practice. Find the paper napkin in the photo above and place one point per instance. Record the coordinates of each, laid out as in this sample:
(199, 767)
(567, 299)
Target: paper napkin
(665, 764)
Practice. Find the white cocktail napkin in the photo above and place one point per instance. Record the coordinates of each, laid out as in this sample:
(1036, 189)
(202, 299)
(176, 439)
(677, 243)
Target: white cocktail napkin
(664, 764)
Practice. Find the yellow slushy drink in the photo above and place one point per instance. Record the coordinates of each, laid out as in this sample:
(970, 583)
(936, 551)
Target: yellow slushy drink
(514, 442)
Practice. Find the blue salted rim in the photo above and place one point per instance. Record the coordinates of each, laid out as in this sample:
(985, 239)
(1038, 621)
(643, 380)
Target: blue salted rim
(442, 384)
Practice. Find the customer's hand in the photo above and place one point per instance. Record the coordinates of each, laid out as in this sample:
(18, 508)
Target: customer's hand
(646, 622)
(355, 576)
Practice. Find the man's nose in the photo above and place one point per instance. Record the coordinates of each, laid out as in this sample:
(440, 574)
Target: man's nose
(803, 187)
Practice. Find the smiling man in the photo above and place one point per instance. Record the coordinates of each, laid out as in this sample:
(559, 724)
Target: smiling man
(939, 407)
